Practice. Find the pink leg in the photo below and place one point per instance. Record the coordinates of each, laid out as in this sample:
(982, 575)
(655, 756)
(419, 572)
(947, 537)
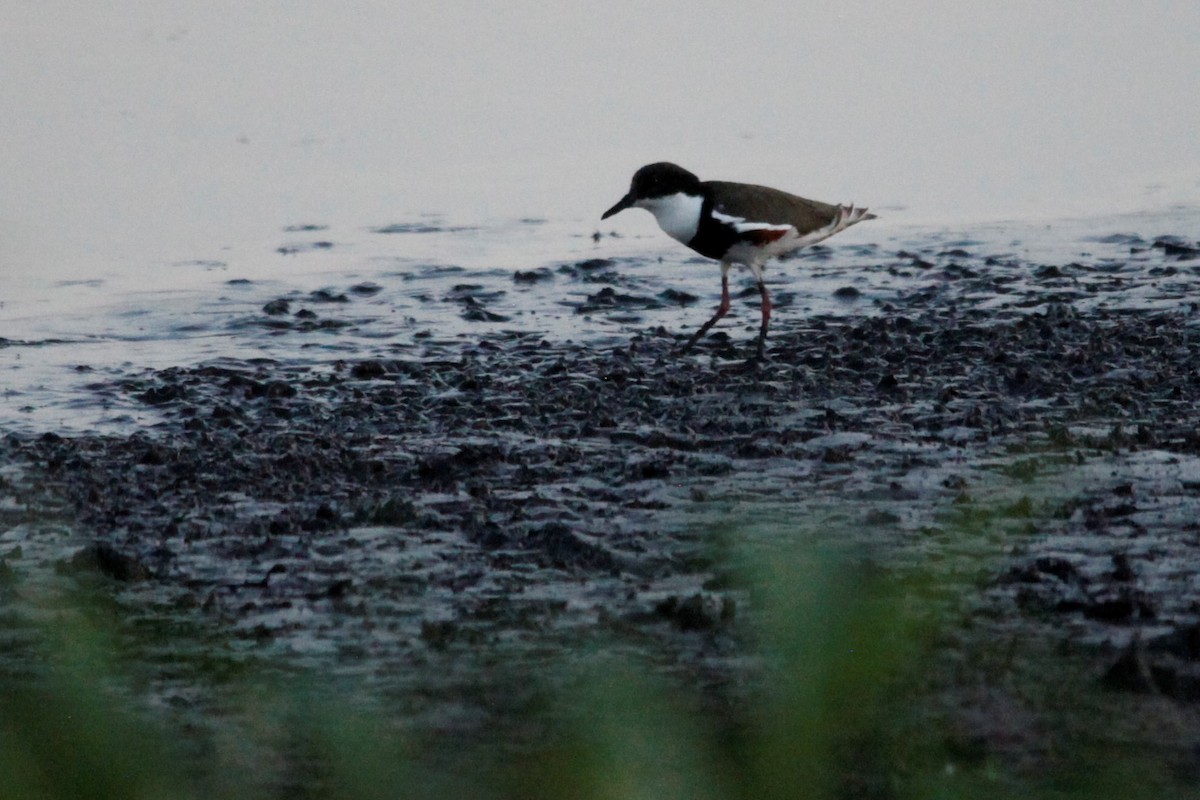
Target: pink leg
(766, 317)
(722, 310)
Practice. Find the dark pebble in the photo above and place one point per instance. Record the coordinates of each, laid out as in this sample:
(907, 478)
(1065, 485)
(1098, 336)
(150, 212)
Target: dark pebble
(106, 560)
(532, 276)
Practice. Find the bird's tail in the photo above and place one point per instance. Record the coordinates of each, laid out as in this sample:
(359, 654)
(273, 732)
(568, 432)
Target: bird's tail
(843, 218)
(851, 215)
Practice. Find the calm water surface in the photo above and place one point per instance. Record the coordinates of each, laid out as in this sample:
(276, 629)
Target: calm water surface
(171, 170)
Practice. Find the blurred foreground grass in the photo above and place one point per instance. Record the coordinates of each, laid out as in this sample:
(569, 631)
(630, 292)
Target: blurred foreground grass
(839, 698)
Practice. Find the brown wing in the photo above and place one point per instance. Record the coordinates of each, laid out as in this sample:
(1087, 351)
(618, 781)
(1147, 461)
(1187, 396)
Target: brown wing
(763, 204)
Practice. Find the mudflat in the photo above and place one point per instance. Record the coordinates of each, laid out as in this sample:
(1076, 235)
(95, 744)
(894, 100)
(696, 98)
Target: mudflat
(1020, 439)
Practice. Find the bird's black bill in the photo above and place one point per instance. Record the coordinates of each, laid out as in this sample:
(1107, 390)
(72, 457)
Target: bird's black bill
(622, 204)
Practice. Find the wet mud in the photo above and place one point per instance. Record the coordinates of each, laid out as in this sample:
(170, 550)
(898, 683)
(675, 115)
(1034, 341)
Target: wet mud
(1030, 429)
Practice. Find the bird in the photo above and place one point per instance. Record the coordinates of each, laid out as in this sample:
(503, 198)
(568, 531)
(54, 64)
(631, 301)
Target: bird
(734, 223)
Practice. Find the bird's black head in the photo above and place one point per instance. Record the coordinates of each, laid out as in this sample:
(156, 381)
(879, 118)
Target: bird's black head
(660, 179)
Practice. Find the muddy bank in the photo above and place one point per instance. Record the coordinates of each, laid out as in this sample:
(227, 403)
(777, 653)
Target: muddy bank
(376, 517)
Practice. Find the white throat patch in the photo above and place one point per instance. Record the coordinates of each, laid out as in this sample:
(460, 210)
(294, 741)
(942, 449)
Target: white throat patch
(677, 214)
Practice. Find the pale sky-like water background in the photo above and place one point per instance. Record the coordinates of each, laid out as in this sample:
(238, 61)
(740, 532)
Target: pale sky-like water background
(154, 151)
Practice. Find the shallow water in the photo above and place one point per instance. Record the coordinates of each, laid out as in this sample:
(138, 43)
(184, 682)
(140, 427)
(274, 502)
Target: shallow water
(360, 293)
(158, 160)
(145, 145)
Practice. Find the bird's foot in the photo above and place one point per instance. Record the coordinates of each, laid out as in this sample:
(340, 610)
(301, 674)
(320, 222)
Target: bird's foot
(687, 346)
(760, 347)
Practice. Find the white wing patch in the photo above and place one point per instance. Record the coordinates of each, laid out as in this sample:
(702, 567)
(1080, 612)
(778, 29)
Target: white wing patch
(753, 255)
(740, 224)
